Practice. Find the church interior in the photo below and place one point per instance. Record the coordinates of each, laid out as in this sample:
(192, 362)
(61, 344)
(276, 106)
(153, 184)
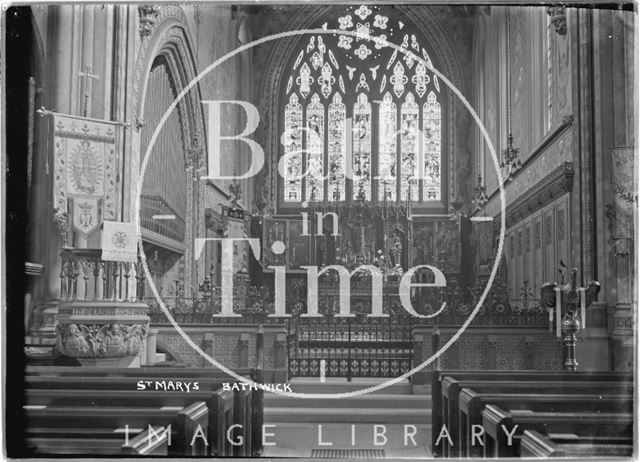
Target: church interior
(216, 212)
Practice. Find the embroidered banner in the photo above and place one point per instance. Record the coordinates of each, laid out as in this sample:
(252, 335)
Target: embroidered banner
(119, 241)
(85, 162)
(86, 217)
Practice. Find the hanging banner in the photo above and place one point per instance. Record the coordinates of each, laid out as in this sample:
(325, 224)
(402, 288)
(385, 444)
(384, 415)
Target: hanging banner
(119, 241)
(86, 216)
(85, 161)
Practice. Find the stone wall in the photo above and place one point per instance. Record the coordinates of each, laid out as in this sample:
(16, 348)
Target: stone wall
(503, 348)
(233, 346)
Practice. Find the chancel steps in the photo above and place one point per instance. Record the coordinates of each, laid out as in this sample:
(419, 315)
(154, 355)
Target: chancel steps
(402, 412)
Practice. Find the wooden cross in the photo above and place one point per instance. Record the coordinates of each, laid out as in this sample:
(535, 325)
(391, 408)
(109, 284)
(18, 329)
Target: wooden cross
(87, 75)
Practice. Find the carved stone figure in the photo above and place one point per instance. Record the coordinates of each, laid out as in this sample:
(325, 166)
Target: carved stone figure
(101, 341)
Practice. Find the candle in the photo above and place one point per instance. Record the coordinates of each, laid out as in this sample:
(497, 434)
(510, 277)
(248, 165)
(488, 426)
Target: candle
(583, 307)
(550, 310)
(558, 310)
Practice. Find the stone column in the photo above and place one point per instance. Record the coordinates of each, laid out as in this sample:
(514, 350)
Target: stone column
(62, 92)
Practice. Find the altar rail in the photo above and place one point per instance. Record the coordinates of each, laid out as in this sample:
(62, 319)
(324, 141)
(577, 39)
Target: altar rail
(201, 310)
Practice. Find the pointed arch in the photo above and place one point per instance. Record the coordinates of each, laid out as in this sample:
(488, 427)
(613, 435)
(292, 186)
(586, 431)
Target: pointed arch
(287, 51)
(165, 64)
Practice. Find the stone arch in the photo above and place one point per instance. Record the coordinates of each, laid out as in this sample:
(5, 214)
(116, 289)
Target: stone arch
(280, 55)
(172, 40)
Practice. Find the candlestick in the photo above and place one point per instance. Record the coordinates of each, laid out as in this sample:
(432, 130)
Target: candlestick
(558, 311)
(583, 307)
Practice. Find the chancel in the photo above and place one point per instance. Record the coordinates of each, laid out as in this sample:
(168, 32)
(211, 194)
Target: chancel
(377, 230)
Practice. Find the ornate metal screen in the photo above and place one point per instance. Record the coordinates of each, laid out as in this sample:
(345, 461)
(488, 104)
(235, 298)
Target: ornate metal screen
(350, 347)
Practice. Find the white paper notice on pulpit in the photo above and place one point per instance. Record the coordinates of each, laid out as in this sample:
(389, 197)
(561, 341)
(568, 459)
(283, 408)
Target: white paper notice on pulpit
(119, 241)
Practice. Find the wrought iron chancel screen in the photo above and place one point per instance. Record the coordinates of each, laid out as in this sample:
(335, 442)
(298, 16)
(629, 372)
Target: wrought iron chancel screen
(354, 99)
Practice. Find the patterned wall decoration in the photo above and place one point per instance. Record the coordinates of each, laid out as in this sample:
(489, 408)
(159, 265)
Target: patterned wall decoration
(540, 100)
(468, 351)
(479, 348)
(520, 74)
(624, 191)
(560, 78)
(176, 346)
(225, 348)
(222, 346)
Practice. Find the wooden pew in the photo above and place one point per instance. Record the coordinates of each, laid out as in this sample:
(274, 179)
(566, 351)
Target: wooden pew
(496, 375)
(584, 425)
(471, 405)
(132, 398)
(224, 407)
(162, 371)
(242, 416)
(83, 429)
(451, 390)
(192, 418)
(149, 442)
(116, 383)
(534, 444)
(193, 421)
(257, 415)
(141, 401)
(247, 406)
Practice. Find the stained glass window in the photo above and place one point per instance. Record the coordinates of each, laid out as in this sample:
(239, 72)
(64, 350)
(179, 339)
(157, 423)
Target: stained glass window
(293, 150)
(337, 149)
(432, 148)
(372, 106)
(409, 186)
(387, 149)
(315, 150)
(362, 148)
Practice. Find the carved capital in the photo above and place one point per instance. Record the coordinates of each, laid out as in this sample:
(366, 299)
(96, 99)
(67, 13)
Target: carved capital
(139, 122)
(558, 18)
(567, 119)
(148, 16)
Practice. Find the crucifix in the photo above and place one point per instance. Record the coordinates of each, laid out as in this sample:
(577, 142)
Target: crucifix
(87, 75)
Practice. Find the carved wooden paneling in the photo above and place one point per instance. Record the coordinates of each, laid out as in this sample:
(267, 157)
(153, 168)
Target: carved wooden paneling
(537, 253)
(482, 349)
(535, 247)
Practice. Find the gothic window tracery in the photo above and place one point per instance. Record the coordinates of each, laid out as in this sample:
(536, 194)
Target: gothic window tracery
(366, 103)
